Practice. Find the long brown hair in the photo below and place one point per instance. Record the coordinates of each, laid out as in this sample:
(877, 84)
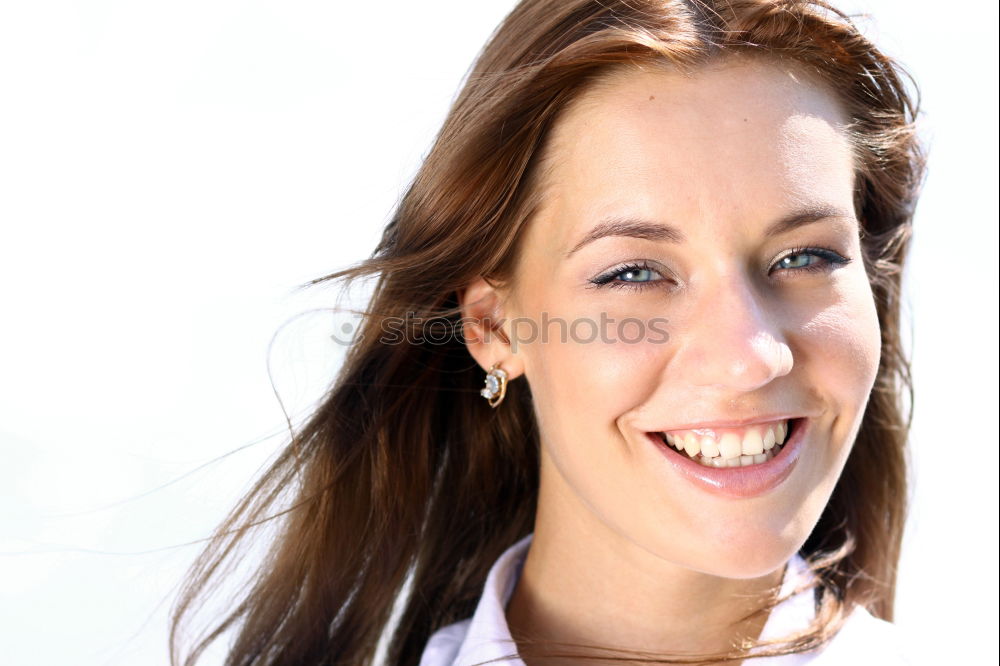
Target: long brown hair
(403, 473)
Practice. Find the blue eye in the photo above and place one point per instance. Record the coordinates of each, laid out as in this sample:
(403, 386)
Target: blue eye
(636, 275)
(630, 276)
(809, 259)
(796, 260)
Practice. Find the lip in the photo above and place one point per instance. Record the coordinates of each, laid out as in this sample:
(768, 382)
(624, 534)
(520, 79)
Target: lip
(718, 425)
(738, 482)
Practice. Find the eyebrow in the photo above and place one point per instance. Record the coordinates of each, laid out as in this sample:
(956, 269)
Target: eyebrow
(658, 231)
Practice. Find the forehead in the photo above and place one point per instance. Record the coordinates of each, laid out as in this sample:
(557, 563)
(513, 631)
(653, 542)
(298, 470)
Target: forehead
(740, 139)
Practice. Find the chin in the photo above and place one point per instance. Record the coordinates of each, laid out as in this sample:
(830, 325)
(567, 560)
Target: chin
(743, 551)
(744, 564)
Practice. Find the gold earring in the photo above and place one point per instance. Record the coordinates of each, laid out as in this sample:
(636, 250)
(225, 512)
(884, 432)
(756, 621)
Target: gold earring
(496, 385)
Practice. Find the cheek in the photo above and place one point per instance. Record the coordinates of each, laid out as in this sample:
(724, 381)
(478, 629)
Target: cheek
(839, 350)
(587, 462)
(843, 343)
(592, 369)
(584, 380)
(590, 359)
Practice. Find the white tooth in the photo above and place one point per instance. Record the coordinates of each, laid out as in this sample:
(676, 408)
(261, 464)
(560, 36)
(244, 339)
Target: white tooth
(769, 438)
(746, 460)
(718, 461)
(779, 437)
(691, 446)
(709, 448)
(752, 443)
(759, 458)
(730, 446)
(733, 462)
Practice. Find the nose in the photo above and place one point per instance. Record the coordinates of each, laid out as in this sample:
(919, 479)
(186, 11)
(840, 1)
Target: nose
(733, 338)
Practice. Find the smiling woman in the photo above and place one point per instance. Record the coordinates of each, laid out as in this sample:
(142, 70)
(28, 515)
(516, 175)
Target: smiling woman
(738, 177)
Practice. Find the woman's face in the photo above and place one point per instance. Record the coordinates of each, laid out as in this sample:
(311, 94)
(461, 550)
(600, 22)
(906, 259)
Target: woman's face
(698, 239)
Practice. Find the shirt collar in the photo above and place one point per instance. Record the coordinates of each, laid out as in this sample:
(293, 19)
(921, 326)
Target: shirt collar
(488, 636)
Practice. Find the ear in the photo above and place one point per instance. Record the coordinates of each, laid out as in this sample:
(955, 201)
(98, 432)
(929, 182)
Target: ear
(484, 327)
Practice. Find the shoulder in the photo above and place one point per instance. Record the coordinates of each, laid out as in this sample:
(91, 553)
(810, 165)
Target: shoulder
(862, 640)
(865, 639)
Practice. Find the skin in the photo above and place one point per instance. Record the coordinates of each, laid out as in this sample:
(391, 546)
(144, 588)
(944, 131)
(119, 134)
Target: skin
(627, 552)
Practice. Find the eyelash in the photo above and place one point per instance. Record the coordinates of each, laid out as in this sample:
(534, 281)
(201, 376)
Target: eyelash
(829, 257)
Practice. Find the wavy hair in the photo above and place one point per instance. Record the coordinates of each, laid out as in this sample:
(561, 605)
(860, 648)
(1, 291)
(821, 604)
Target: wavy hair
(403, 475)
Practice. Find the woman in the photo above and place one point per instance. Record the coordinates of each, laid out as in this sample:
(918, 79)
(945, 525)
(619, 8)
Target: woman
(669, 236)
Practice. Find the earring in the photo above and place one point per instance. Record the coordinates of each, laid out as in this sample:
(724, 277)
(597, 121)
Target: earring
(496, 385)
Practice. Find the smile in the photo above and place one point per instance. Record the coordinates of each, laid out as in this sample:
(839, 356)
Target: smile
(731, 447)
(738, 462)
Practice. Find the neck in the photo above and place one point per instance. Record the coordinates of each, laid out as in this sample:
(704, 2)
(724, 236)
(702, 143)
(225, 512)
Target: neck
(584, 584)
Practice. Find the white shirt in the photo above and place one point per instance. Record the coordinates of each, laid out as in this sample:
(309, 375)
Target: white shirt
(485, 636)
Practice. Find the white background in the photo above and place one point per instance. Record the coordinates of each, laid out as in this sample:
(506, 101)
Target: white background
(170, 171)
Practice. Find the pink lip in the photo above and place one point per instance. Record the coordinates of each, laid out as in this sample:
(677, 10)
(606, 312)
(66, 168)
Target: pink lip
(738, 482)
(739, 423)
